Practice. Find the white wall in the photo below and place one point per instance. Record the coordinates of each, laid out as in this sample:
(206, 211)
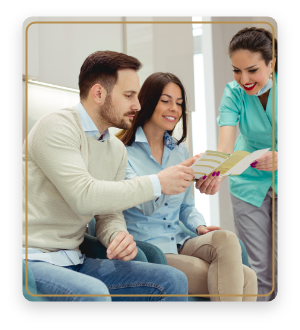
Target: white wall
(43, 100)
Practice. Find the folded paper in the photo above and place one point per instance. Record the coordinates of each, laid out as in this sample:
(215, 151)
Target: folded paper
(215, 161)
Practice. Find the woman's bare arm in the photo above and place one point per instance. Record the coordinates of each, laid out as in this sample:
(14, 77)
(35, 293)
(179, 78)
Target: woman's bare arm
(227, 139)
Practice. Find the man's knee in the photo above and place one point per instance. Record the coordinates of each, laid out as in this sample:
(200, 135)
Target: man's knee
(95, 287)
(95, 290)
(177, 280)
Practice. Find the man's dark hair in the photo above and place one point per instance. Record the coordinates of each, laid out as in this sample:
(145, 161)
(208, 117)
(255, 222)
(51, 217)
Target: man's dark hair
(102, 67)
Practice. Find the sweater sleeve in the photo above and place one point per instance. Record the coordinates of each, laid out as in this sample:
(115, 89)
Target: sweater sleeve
(55, 144)
(150, 207)
(109, 225)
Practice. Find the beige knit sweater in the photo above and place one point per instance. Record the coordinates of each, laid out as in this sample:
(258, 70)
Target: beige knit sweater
(71, 179)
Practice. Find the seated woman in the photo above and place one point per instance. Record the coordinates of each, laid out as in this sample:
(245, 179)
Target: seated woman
(212, 261)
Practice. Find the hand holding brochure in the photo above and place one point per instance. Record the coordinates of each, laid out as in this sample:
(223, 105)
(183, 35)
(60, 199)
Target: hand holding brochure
(234, 164)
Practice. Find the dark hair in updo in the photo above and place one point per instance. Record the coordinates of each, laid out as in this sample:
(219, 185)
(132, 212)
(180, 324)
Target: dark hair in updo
(256, 40)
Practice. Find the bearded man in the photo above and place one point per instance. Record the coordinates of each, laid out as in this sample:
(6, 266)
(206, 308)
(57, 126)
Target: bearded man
(76, 171)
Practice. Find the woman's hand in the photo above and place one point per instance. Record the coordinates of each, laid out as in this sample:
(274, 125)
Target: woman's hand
(189, 162)
(210, 185)
(265, 162)
(201, 230)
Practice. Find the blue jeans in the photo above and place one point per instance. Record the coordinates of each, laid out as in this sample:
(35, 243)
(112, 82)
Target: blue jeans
(103, 276)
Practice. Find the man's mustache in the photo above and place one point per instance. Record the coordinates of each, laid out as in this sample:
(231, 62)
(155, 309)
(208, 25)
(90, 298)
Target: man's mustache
(131, 113)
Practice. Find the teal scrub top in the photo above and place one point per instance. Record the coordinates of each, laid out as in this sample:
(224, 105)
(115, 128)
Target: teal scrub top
(255, 125)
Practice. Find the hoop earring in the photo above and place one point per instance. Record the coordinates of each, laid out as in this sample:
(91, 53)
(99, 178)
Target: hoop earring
(271, 76)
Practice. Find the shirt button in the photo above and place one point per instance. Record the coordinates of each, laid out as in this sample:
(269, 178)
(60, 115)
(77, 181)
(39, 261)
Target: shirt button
(172, 238)
(169, 226)
(166, 204)
(165, 218)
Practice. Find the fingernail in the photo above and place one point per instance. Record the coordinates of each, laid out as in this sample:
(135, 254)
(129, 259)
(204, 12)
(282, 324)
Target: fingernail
(254, 163)
(253, 166)
(108, 251)
(111, 256)
(214, 174)
(204, 177)
(218, 173)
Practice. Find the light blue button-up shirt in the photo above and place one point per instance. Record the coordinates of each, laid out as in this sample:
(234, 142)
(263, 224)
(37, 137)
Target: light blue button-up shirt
(72, 257)
(157, 222)
(89, 126)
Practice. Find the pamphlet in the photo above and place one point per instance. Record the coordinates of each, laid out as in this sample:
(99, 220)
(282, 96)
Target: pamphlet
(215, 161)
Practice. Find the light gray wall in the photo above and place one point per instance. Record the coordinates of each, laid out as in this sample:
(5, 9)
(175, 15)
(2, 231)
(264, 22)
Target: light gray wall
(140, 43)
(174, 52)
(32, 33)
(166, 48)
(269, 20)
(57, 51)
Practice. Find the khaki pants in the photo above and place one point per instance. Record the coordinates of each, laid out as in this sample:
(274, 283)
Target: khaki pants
(213, 265)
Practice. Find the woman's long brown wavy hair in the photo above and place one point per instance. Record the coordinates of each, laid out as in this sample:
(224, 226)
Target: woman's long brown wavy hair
(149, 96)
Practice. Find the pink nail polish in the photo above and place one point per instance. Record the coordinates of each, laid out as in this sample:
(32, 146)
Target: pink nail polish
(214, 174)
(218, 173)
(204, 177)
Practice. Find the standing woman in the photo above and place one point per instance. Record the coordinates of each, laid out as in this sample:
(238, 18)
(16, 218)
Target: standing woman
(248, 100)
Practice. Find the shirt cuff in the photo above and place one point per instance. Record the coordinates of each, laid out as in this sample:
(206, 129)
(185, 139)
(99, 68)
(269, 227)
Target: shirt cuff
(195, 223)
(156, 185)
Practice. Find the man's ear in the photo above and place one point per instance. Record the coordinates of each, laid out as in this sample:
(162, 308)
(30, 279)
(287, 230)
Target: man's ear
(98, 94)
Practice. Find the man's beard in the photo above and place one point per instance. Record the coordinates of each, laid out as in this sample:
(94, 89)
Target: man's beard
(110, 114)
